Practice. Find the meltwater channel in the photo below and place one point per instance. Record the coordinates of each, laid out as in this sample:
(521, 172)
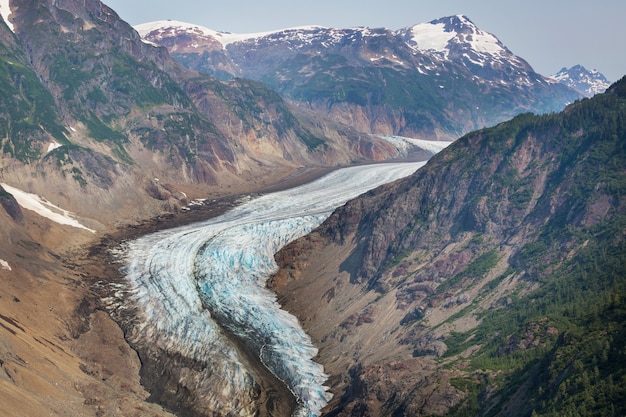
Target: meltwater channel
(186, 280)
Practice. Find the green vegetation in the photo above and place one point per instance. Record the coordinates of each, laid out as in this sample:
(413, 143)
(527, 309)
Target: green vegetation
(559, 350)
(101, 132)
(4, 193)
(27, 111)
(477, 269)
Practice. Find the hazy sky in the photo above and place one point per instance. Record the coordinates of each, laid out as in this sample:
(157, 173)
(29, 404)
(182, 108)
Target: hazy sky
(549, 34)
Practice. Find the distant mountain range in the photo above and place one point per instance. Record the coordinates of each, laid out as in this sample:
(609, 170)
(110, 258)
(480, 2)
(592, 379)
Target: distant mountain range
(579, 78)
(433, 80)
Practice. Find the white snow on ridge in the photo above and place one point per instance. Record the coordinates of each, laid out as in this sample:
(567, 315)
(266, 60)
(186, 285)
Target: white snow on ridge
(485, 42)
(53, 145)
(5, 265)
(5, 11)
(435, 37)
(225, 38)
(429, 37)
(44, 208)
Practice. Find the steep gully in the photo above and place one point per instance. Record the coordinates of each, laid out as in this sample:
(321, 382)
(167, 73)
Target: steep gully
(193, 288)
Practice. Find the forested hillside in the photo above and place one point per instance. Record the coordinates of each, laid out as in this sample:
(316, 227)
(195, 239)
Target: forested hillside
(498, 270)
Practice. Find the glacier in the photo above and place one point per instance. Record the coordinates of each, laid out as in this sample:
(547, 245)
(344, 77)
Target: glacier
(190, 284)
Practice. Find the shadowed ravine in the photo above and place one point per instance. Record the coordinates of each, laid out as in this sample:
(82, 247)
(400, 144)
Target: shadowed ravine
(190, 283)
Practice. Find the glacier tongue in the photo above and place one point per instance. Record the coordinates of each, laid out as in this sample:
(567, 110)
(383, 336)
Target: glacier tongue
(184, 281)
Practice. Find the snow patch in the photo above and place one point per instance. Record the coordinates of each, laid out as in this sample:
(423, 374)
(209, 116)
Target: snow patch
(5, 265)
(438, 37)
(44, 208)
(53, 145)
(5, 11)
(431, 37)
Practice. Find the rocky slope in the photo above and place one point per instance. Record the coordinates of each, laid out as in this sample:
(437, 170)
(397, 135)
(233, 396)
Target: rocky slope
(499, 263)
(58, 354)
(434, 80)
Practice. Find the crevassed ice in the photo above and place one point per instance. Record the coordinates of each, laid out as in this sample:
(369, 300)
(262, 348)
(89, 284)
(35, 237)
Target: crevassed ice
(185, 278)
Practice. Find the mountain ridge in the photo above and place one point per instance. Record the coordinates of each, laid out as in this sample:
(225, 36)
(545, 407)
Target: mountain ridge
(110, 108)
(378, 80)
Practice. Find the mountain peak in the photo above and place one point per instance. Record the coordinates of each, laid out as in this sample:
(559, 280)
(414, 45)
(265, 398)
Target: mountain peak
(457, 38)
(442, 34)
(587, 82)
(456, 23)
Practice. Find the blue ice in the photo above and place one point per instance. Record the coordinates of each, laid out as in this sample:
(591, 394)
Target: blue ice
(187, 280)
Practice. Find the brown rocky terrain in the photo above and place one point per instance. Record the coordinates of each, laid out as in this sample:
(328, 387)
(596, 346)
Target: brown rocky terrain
(398, 287)
(99, 123)
(61, 353)
(376, 80)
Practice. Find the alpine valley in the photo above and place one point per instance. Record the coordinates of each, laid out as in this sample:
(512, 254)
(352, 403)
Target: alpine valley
(139, 168)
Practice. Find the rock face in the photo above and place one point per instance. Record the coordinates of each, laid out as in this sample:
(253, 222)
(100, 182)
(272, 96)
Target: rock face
(447, 264)
(58, 355)
(434, 80)
(8, 202)
(96, 122)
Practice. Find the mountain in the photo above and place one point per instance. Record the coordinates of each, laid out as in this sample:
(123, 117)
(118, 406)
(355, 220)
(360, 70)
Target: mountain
(85, 101)
(99, 129)
(579, 78)
(491, 282)
(434, 80)
(104, 136)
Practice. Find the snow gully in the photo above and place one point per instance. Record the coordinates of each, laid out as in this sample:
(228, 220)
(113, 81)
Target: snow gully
(190, 281)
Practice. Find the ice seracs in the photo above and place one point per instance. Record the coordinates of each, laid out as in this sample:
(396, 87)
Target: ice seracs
(185, 281)
(407, 145)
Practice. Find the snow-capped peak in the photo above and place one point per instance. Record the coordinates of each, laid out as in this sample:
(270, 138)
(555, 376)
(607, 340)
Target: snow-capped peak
(579, 78)
(439, 35)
